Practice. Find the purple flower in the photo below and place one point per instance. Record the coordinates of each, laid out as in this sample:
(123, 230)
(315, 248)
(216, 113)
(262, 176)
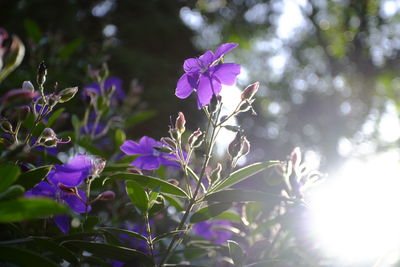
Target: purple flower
(207, 76)
(63, 181)
(209, 230)
(150, 158)
(119, 93)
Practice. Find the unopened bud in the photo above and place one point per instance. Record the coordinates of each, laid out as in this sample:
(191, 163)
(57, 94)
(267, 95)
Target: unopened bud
(104, 71)
(164, 149)
(53, 99)
(41, 73)
(194, 138)
(135, 171)
(23, 112)
(168, 141)
(173, 182)
(245, 147)
(180, 123)
(67, 189)
(48, 133)
(216, 173)
(235, 146)
(245, 106)
(67, 94)
(98, 166)
(250, 91)
(295, 157)
(27, 85)
(106, 195)
(6, 126)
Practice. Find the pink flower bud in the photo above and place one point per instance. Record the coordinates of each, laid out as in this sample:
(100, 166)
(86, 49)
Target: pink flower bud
(194, 137)
(180, 123)
(250, 91)
(107, 195)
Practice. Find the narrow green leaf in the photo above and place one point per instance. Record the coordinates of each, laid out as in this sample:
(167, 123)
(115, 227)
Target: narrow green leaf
(236, 253)
(243, 174)
(176, 203)
(32, 29)
(151, 182)
(54, 117)
(123, 231)
(137, 195)
(169, 234)
(119, 137)
(109, 251)
(208, 212)
(32, 177)
(229, 216)
(23, 257)
(60, 251)
(239, 195)
(8, 175)
(29, 208)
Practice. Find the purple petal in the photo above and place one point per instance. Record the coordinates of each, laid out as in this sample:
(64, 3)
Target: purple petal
(63, 222)
(191, 65)
(186, 84)
(149, 143)
(208, 231)
(223, 49)
(42, 189)
(93, 87)
(130, 147)
(73, 173)
(167, 160)
(207, 87)
(226, 73)
(117, 83)
(146, 162)
(74, 202)
(206, 59)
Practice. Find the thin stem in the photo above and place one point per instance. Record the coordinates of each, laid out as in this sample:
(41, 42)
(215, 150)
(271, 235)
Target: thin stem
(149, 238)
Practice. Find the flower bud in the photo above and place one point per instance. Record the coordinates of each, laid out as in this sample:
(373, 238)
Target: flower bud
(164, 149)
(53, 99)
(194, 138)
(50, 143)
(250, 91)
(41, 73)
(27, 85)
(173, 182)
(168, 141)
(67, 94)
(216, 173)
(48, 133)
(135, 171)
(23, 112)
(180, 123)
(67, 189)
(295, 156)
(98, 166)
(106, 195)
(235, 146)
(233, 128)
(6, 126)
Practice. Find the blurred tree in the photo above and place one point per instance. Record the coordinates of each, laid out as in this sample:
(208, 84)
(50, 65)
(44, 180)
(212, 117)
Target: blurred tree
(328, 70)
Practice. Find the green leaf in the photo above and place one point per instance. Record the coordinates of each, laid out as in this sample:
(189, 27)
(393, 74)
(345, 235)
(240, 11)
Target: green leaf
(120, 137)
(29, 208)
(139, 117)
(32, 177)
(70, 48)
(229, 216)
(32, 29)
(54, 117)
(236, 253)
(169, 234)
(13, 191)
(176, 203)
(23, 257)
(243, 174)
(123, 231)
(137, 195)
(8, 175)
(151, 182)
(109, 251)
(208, 212)
(58, 250)
(239, 195)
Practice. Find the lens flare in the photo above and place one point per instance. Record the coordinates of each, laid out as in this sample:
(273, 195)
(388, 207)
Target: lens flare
(356, 213)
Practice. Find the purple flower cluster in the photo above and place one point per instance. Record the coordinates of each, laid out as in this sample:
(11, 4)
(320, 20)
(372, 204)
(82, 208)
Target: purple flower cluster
(62, 186)
(150, 158)
(94, 88)
(206, 75)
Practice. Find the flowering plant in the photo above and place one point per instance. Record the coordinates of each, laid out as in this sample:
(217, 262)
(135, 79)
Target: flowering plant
(136, 203)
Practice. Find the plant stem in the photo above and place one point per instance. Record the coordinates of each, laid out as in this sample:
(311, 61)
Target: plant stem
(149, 238)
